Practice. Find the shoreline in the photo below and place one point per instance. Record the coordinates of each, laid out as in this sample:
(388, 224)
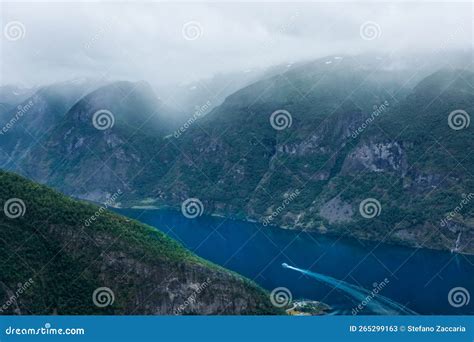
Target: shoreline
(315, 231)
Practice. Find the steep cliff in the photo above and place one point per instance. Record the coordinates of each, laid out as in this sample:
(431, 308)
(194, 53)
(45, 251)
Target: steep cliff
(61, 256)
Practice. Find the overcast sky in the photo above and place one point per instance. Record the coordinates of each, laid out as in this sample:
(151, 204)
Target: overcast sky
(164, 42)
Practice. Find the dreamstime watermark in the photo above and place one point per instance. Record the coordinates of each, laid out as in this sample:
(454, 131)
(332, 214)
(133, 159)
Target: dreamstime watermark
(110, 202)
(103, 119)
(370, 208)
(377, 111)
(104, 29)
(192, 298)
(281, 297)
(46, 330)
(14, 30)
(459, 119)
(370, 30)
(192, 30)
(200, 110)
(282, 29)
(272, 40)
(13, 298)
(21, 110)
(454, 35)
(458, 297)
(377, 287)
(289, 198)
(192, 208)
(281, 119)
(458, 209)
(102, 297)
(14, 208)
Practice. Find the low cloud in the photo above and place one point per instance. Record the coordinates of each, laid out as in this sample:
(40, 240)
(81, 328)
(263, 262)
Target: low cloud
(136, 41)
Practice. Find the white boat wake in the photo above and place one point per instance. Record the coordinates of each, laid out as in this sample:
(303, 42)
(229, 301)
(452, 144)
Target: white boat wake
(373, 303)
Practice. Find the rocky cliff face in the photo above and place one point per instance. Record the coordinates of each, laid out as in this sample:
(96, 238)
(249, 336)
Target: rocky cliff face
(26, 122)
(377, 157)
(145, 286)
(56, 259)
(97, 145)
(337, 152)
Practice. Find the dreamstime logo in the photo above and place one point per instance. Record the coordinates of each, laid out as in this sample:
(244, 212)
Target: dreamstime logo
(110, 202)
(46, 330)
(280, 297)
(458, 30)
(21, 111)
(14, 208)
(466, 199)
(281, 119)
(369, 208)
(459, 119)
(285, 27)
(14, 30)
(192, 30)
(103, 119)
(200, 110)
(103, 30)
(289, 198)
(458, 296)
(16, 295)
(102, 297)
(377, 288)
(192, 208)
(193, 297)
(370, 30)
(376, 112)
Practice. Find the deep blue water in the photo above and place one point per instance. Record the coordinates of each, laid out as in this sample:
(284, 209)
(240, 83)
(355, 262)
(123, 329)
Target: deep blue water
(418, 279)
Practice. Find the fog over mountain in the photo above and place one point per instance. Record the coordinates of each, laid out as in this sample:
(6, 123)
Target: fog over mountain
(176, 43)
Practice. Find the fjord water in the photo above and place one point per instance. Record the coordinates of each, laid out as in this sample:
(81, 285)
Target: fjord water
(417, 280)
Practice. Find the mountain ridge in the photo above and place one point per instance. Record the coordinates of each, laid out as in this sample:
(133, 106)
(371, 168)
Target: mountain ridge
(352, 133)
